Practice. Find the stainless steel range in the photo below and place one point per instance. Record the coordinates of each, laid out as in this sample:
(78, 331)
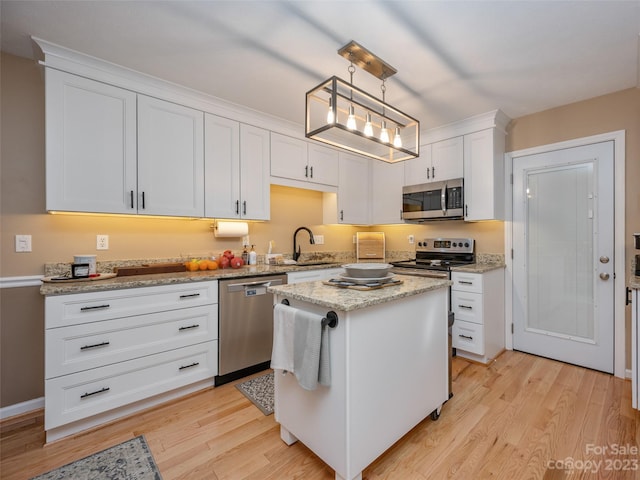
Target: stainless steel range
(436, 256)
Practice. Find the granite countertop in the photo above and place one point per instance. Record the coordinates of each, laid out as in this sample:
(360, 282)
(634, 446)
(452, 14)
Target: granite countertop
(156, 279)
(345, 299)
(479, 267)
(634, 282)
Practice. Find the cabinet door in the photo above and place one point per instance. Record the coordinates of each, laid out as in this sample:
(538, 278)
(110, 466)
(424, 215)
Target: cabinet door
(170, 159)
(353, 190)
(90, 145)
(221, 167)
(418, 170)
(386, 192)
(483, 175)
(254, 173)
(323, 165)
(447, 158)
(289, 157)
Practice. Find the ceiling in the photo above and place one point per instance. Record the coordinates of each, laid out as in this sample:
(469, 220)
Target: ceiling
(454, 59)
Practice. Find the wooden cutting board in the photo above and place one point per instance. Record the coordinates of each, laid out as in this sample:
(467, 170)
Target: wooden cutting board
(149, 269)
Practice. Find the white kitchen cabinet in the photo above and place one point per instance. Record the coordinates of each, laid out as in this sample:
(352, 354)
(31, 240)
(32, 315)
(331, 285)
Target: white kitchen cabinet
(351, 204)
(477, 302)
(111, 353)
(438, 161)
(90, 145)
(314, 275)
(484, 175)
(635, 346)
(170, 159)
(301, 161)
(387, 180)
(236, 170)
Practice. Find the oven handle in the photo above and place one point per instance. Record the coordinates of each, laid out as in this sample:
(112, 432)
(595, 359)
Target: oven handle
(443, 199)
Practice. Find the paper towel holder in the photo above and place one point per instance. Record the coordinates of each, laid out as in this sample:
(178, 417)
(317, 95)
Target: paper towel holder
(230, 229)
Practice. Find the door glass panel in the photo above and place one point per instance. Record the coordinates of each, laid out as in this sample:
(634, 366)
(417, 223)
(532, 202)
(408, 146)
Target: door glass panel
(559, 242)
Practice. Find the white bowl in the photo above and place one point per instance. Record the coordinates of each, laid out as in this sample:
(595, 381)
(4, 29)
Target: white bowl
(367, 270)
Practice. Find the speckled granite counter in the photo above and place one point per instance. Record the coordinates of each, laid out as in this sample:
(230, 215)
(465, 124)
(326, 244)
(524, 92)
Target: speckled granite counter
(345, 299)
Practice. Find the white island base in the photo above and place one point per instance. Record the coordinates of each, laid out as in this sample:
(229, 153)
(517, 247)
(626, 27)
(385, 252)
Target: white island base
(389, 371)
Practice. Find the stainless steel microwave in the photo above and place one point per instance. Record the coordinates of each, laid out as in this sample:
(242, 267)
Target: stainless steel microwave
(433, 201)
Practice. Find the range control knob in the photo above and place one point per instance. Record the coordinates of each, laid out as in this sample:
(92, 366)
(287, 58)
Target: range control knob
(466, 244)
(455, 245)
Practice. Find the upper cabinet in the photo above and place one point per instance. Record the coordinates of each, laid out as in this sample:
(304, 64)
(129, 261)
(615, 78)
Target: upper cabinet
(295, 162)
(484, 175)
(90, 145)
(386, 192)
(438, 161)
(110, 150)
(351, 203)
(170, 159)
(236, 170)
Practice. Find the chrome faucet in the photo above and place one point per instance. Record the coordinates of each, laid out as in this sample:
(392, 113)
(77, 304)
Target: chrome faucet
(296, 253)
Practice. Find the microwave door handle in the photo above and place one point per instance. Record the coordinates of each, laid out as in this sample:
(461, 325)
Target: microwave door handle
(443, 199)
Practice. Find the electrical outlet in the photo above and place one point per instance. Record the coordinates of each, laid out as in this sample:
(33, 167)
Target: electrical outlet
(411, 239)
(23, 243)
(319, 239)
(102, 242)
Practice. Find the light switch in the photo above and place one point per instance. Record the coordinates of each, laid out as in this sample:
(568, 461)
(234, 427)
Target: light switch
(23, 243)
(319, 239)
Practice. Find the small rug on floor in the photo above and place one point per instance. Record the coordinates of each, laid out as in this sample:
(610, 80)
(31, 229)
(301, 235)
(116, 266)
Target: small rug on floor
(260, 391)
(131, 460)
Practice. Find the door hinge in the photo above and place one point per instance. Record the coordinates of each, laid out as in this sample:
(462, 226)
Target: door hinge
(512, 329)
(512, 254)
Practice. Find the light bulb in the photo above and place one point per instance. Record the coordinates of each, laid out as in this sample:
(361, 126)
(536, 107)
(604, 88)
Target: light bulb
(384, 133)
(368, 128)
(330, 116)
(351, 119)
(397, 141)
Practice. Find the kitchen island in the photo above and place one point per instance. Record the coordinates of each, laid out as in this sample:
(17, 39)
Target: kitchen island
(389, 370)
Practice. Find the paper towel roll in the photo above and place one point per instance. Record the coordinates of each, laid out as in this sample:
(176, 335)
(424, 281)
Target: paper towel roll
(231, 229)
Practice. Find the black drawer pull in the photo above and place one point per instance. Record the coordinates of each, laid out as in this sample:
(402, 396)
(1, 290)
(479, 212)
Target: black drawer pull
(464, 282)
(466, 306)
(190, 295)
(194, 364)
(190, 326)
(95, 307)
(95, 345)
(102, 390)
(465, 336)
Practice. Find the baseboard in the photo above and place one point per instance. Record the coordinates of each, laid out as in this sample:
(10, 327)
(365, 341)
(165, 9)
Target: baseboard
(627, 374)
(20, 408)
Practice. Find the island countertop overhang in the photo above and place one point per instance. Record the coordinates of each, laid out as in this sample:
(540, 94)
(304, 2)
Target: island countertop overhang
(346, 300)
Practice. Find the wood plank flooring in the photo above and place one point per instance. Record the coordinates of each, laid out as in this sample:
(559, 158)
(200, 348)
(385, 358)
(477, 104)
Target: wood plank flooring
(522, 417)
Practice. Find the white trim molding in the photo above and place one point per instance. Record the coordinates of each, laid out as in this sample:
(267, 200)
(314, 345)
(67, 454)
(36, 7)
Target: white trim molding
(20, 408)
(15, 282)
(620, 269)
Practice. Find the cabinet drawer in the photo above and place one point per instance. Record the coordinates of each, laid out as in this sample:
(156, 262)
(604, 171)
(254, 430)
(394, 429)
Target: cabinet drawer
(466, 282)
(75, 309)
(90, 345)
(80, 395)
(468, 336)
(467, 306)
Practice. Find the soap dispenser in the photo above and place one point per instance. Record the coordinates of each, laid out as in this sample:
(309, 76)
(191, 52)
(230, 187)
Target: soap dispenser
(253, 257)
(245, 256)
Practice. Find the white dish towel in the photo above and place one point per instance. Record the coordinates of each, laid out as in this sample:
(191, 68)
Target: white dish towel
(301, 346)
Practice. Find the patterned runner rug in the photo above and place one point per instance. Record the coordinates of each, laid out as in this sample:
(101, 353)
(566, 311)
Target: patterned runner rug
(260, 391)
(129, 460)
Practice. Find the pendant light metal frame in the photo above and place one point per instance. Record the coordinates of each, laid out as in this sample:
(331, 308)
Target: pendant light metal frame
(339, 96)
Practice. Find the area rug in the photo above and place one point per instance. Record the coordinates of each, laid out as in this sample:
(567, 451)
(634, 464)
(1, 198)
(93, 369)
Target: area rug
(131, 460)
(260, 391)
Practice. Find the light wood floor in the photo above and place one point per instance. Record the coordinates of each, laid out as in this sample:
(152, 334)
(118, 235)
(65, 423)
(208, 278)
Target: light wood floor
(512, 420)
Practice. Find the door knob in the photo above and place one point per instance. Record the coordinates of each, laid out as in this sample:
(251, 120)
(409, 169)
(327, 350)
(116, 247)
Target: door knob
(604, 276)
(604, 259)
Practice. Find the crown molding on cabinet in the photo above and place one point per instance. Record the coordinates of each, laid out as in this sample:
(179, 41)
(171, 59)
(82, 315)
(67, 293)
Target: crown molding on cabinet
(493, 119)
(72, 61)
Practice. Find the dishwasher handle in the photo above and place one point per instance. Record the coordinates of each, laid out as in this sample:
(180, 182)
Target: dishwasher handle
(238, 287)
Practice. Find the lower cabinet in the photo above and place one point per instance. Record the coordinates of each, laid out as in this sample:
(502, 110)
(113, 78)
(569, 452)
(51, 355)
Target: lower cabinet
(108, 354)
(635, 345)
(477, 301)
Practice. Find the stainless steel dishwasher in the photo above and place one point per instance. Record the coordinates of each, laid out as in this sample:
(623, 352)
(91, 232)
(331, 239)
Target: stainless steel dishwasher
(245, 326)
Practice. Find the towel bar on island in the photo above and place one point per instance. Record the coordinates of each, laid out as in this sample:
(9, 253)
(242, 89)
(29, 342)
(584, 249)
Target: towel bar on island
(330, 320)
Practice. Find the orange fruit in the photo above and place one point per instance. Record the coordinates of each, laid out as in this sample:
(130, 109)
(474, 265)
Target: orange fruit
(203, 264)
(213, 265)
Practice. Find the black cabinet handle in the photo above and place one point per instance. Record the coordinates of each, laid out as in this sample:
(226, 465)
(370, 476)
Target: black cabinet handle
(627, 298)
(311, 172)
(466, 210)
(244, 207)
(143, 206)
(341, 214)
(433, 172)
(190, 295)
(466, 306)
(237, 207)
(94, 307)
(194, 364)
(306, 171)
(428, 173)
(95, 345)
(132, 199)
(465, 336)
(102, 390)
(465, 282)
(189, 327)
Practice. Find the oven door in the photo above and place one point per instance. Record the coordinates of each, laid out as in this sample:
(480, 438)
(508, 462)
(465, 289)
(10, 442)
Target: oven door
(433, 201)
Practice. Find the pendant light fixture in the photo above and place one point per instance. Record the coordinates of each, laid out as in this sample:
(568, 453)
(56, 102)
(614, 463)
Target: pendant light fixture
(340, 114)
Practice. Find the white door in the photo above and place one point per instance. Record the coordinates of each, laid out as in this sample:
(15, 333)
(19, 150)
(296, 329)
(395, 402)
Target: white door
(563, 265)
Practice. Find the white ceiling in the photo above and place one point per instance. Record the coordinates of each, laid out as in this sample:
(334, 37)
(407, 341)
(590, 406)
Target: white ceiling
(454, 59)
